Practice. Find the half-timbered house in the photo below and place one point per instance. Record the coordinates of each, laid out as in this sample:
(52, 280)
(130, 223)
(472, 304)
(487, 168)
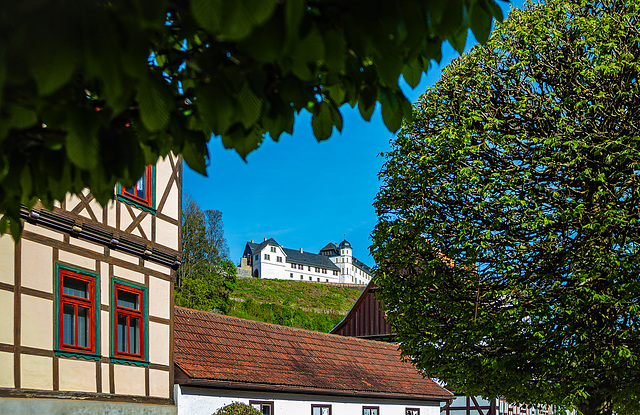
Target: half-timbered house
(86, 299)
(366, 320)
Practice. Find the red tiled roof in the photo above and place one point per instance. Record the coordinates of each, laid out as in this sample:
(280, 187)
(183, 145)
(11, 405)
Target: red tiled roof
(216, 350)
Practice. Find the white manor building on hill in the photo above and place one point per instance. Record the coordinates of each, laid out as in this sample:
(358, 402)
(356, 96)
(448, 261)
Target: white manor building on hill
(333, 264)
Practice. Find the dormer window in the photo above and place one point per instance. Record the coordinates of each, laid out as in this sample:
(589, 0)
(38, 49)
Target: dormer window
(141, 194)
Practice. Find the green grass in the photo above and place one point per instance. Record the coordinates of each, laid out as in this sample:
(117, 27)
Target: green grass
(300, 304)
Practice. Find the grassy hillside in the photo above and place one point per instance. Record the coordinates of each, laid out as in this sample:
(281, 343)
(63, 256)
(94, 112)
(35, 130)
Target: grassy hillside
(300, 304)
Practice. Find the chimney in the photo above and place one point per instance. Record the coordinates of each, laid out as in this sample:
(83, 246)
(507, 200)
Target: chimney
(265, 239)
(252, 241)
(300, 250)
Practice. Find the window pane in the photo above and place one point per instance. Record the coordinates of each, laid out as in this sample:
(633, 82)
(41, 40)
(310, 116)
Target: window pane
(134, 330)
(122, 333)
(77, 288)
(83, 327)
(140, 188)
(266, 409)
(68, 324)
(316, 411)
(374, 412)
(325, 411)
(128, 299)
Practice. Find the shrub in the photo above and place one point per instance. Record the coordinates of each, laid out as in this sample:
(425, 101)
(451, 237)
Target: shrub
(237, 408)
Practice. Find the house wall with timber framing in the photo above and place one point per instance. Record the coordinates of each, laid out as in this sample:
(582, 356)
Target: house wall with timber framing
(87, 299)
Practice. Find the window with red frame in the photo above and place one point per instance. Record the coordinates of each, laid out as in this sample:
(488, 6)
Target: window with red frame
(141, 191)
(129, 322)
(77, 312)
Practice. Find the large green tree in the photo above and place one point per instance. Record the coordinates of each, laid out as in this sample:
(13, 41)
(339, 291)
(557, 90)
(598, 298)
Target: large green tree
(92, 91)
(207, 276)
(508, 239)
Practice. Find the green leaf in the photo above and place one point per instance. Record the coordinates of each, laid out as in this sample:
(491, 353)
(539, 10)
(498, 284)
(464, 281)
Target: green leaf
(208, 14)
(195, 152)
(394, 108)
(156, 103)
(325, 117)
(412, 73)
(251, 106)
(215, 106)
(21, 117)
(242, 141)
(82, 143)
(480, 21)
(335, 50)
(294, 12)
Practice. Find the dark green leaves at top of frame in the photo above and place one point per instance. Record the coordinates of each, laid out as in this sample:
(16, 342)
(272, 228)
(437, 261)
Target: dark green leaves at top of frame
(232, 20)
(92, 91)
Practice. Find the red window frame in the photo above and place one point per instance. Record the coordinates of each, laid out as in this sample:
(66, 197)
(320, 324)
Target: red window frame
(129, 313)
(88, 303)
(147, 199)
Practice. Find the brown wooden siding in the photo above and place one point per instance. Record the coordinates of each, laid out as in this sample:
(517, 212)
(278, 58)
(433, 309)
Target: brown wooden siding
(366, 319)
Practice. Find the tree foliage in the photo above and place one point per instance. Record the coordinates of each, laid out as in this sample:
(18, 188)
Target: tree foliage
(92, 91)
(207, 276)
(508, 236)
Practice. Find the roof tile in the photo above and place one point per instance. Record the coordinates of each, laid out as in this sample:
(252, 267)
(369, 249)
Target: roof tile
(213, 347)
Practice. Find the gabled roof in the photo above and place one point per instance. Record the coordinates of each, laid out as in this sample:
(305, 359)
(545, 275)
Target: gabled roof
(366, 318)
(259, 247)
(308, 258)
(226, 352)
(329, 247)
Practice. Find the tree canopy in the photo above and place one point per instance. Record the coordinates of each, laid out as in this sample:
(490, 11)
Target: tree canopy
(508, 238)
(207, 276)
(92, 91)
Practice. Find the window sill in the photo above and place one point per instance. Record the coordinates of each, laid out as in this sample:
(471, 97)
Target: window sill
(130, 201)
(125, 361)
(87, 356)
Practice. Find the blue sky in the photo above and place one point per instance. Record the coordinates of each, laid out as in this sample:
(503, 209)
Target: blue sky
(301, 192)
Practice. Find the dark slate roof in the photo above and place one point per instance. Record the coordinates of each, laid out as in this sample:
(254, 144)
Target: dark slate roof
(308, 258)
(362, 265)
(213, 350)
(251, 248)
(329, 247)
(344, 244)
(258, 247)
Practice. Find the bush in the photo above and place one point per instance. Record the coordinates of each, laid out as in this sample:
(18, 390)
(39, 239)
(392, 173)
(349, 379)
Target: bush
(237, 408)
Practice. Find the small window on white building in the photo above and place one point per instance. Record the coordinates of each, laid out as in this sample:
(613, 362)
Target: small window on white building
(273, 249)
(310, 279)
(267, 256)
(291, 274)
(278, 259)
(413, 411)
(370, 410)
(320, 409)
(265, 407)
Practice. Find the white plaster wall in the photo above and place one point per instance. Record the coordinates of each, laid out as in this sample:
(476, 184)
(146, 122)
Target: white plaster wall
(7, 255)
(204, 401)
(271, 269)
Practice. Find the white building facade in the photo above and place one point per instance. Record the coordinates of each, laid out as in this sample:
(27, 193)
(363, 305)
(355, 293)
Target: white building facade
(334, 264)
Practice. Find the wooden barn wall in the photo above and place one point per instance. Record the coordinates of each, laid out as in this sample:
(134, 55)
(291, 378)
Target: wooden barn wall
(366, 319)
